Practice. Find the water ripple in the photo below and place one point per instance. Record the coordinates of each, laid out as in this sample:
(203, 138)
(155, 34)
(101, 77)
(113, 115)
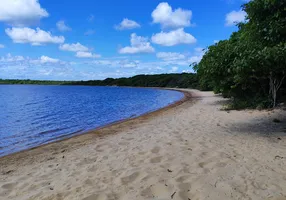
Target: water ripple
(33, 115)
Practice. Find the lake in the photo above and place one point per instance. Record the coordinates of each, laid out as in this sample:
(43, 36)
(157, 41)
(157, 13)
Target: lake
(32, 115)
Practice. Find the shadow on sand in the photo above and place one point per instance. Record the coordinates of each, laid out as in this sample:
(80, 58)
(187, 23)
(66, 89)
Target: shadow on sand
(273, 126)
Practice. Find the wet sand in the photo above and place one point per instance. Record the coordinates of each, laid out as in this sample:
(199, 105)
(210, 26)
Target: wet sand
(192, 150)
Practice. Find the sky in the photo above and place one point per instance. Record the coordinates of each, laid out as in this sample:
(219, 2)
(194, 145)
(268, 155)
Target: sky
(87, 39)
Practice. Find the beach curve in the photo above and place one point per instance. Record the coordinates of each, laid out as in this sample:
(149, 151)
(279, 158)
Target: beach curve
(191, 150)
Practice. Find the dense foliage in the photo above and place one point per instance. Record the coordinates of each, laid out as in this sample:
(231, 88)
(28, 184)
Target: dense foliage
(185, 80)
(31, 82)
(250, 67)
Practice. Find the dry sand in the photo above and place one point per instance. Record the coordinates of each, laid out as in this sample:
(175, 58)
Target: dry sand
(191, 151)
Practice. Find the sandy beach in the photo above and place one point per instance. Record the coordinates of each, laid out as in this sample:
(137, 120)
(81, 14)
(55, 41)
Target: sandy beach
(191, 151)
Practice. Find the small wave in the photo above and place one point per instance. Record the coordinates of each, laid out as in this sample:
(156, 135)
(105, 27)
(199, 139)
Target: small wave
(68, 134)
(52, 131)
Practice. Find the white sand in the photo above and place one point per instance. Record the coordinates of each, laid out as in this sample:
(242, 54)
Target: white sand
(192, 151)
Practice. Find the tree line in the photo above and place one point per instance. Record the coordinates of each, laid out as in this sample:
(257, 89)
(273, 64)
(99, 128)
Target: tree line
(250, 66)
(184, 80)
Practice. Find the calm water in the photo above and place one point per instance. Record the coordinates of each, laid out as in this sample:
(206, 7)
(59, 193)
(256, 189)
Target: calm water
(32, 115)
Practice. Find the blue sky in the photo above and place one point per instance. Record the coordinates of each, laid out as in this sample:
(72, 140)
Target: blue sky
(83, 40)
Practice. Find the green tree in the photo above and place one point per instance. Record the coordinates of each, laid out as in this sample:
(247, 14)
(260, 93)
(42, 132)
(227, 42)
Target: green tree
(251, 65)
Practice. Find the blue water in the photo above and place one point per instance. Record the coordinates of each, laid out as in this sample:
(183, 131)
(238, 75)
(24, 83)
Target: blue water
(31, 115)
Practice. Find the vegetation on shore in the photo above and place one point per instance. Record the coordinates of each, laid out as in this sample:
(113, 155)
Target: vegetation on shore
(250, 67)
(31, 82)
(184, 80)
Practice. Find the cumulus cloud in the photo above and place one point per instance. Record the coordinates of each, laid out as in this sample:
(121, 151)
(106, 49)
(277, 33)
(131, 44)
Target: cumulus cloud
(235, 17)
(43, 60)
(82, 54)
(34, 37)
(169, 18)
(21, 12)
(75, 47)
(173, 38)
(26, 61)
(46, 59)
(2, 46)
(138, 45)
(127, 24)
(170, 56)
(62, 26)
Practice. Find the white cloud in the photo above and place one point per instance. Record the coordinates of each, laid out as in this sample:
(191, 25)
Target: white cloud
(73, 47)
(26, 61)
(167, 17)
(170, 56)
(123, 63)
(179, 59)
(127, 24)
(235, 17)
(187, 71)
(2, 46)
(46, 59)
(89, 32)
(21, 12)
(82, 54)
(128, 64)
(138, 45)
(173, 38)
(10, 58)
(43, 68)
(62, 26)
(34, 37)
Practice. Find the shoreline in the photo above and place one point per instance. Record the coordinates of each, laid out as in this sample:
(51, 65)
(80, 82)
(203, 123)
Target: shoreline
(187, 96)
(189, 151)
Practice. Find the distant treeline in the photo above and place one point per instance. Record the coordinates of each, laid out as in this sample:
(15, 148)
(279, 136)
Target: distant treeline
(184, 80)
(31, 82)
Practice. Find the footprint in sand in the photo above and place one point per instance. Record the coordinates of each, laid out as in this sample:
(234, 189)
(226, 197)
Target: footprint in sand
(9, 186)
(156, 159)
(155, 150)
(129, 179)
(88, 182)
